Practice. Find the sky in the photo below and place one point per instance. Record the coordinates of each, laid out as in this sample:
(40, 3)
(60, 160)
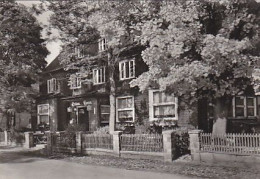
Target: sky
(53, 47)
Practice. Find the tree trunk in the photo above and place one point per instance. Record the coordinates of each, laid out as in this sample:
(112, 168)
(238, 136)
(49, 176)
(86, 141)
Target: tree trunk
(112, 96)
(220, 115)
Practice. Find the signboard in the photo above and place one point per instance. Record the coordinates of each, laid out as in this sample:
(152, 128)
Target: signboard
(87, 103)
(75, 104)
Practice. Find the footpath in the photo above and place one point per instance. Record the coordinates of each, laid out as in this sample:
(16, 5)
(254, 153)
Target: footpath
(183, 166)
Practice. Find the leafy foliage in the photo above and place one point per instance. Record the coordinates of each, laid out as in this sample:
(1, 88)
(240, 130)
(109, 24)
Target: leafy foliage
(22, 54)
(201, 48)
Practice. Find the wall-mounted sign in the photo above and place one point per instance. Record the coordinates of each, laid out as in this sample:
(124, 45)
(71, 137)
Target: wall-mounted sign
(89, 107)
(87, 103)
(69, 109)
(75, 104)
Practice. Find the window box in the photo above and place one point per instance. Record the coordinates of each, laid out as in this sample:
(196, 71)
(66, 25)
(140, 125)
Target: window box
(125, 109)
(162, 106)
(127, 69)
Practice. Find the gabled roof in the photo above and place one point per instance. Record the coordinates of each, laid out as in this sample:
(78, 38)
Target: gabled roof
(54, 65)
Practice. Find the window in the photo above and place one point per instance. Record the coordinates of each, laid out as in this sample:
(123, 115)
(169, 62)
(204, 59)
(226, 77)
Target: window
(43, 114)
(80, 51)
(105, 113)
(52, 85)
(162, 105)
(244, 106)
(127, 69)
(75, 83)
(102, 45)
(125, 109)
(99, 75)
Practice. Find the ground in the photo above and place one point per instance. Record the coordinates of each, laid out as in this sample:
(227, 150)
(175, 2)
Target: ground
(29, 163)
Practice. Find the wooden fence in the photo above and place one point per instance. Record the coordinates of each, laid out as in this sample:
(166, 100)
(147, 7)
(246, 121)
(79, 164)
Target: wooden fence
(141, 142)
(103, 141)
(244, 144)
(64, 142)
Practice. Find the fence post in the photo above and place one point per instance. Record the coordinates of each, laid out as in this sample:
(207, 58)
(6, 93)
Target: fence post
(194, 136)
(168, 148)
(28, 139)
(49, 142)
(79, 142)
(6, 137)
(116, 142)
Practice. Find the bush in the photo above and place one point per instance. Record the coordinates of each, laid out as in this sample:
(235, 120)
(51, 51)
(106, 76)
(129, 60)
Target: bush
(182, 143)
(16, 136)
(68, 137)
(102, 130)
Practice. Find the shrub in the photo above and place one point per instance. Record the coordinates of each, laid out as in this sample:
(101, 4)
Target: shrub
(16, 136)
(68, 137)
(181, 143)
(102, 130)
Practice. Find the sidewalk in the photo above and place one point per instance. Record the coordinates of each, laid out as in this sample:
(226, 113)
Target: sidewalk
(182, 167)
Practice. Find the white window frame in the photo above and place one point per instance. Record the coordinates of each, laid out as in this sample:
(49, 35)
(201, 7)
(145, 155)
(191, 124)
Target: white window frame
(96, 74)
(122, 69)
(125, 109)
(78, 83)
(102, 44)
(79, 51)
(152, 105)
(43, 114)
(52, 85)
(244, 106)
(108, 113)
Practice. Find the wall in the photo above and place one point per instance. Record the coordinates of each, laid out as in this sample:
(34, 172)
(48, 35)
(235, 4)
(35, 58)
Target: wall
(73, 102)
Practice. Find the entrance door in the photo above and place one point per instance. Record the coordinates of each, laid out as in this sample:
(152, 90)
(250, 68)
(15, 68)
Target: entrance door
(83, 119)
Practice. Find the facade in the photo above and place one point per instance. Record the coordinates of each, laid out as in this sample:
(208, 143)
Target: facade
(68, 97)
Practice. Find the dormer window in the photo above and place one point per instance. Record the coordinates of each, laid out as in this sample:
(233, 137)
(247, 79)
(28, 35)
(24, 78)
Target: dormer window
(127, 69)
(52, 85)
(75, 83)
(102, 45)
(99, 75)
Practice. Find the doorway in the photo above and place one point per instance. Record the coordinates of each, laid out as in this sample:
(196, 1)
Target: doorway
(83, 118)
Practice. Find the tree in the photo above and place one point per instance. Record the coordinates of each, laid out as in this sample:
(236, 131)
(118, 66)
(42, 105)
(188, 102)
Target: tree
(84, 22)
(197, 49)
(22, 54)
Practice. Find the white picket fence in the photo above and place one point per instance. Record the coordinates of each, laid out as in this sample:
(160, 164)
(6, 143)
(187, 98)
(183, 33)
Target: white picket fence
(244, 144)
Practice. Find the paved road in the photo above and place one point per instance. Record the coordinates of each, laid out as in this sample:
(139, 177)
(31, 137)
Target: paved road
(15, 164)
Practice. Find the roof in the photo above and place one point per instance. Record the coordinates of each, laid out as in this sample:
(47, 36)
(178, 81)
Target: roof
(54, 65)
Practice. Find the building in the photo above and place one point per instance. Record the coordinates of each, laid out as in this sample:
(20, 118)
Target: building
(72, 97)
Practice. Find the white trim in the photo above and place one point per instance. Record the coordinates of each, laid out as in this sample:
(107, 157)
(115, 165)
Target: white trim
(78, 83)
(102, 44)
(245, 106)
(43, 114)
(52, 85)
(152, 105)
(125, 109)
(123, 70)
(96, 75)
